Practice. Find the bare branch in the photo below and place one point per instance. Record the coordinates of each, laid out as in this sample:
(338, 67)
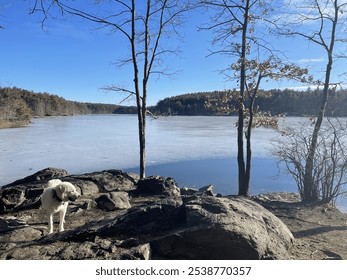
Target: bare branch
(119, 89)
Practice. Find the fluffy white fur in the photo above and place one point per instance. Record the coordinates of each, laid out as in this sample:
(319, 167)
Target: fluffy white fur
(55, 198)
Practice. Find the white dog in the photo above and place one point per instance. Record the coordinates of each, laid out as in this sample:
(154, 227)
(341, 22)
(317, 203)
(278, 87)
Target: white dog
(55, 198)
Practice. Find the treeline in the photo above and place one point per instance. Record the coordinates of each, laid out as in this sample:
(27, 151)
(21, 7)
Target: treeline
(19, 106)
(287, 101)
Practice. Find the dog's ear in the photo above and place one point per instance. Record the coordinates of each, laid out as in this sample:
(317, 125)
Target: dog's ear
(60, 190)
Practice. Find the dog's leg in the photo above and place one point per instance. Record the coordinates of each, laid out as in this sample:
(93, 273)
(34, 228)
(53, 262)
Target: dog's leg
(62, 214)
(50, 223)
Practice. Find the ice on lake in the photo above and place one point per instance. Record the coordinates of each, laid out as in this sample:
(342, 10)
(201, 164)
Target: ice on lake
(196, 151)
(95, 142)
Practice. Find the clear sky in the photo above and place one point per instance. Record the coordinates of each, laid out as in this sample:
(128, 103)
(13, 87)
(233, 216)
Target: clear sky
(73, 60)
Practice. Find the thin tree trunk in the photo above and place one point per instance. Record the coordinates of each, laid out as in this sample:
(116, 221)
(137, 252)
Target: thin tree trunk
(139, 102)
(144, 94)
(252, 97)
(311, 193)
(142, 154)
(243, 183)
(249, 148)
(249, 136)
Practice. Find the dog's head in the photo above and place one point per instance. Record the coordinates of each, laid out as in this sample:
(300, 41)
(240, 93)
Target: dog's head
(66, 191)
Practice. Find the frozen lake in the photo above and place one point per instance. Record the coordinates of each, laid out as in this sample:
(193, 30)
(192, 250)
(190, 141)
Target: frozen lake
(96, 142)
(196, 151)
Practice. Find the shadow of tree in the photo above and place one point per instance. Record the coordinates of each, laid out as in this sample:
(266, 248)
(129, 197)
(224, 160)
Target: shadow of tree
(318, 230)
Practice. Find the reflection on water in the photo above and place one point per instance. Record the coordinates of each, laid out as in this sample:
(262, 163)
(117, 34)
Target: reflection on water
(222, 174)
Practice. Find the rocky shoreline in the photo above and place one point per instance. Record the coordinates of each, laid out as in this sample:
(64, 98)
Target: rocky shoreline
(120, 216)
(13, 124)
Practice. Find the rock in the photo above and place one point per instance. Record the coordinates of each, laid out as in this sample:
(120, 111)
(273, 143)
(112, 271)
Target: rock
(121, 200)
(202, 228)
(25, 193)
(113, 201)
(142, 252)
(188, 191)
(19, 198)
(104, 202)
(10, 223)
(161, 224)
(86, 203)
(208, 190)
(134, 177)
(11, 198)
(42, 175)
(103, 181)
(226, 228)
(278, 197)
(153, 219)
(114, 180)
(87, 188)
(156, 185)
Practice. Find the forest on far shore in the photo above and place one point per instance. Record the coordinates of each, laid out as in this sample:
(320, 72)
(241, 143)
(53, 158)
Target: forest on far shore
(276, 101)
(19, 106)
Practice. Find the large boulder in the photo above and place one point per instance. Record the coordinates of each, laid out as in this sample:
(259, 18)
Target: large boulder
(202, 227)
(153, 219)
(42, 175)
(114, 180)
(103, 181)
(226, 228)
(25, 193)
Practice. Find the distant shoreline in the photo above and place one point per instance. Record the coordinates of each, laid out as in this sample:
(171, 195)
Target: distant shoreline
(19, 124)
(13, 124)
(5, 124)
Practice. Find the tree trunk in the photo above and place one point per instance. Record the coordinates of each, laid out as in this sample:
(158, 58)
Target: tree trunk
(139, 103)
(311, 191)
(248, 138)
(142, 153)
(243, 182)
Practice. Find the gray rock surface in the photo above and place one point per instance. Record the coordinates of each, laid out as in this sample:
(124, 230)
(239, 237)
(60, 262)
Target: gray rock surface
(226, 228)
(156, 185)
(120, 217)
(113, 201)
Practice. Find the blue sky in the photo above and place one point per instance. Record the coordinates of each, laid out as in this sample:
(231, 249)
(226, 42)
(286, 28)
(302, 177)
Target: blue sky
(73, 60)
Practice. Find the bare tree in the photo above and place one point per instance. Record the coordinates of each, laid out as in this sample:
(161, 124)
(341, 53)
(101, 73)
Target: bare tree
(322, 23)
(330, 161)
(233, 36)
(146, 26)
(236, 26)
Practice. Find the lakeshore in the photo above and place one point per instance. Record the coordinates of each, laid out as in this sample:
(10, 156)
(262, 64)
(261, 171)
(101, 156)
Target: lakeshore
(155, 216)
